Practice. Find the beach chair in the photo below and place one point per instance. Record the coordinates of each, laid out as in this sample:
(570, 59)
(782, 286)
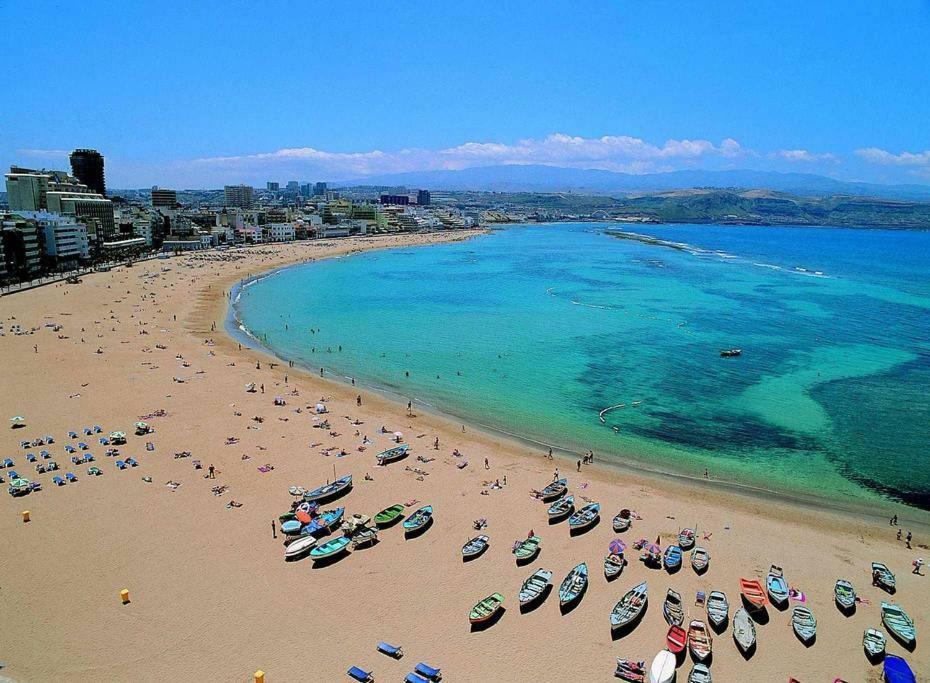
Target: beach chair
(414, 678)
(40, 468)
(104, 441)
(82, 445)
(8, 462)
(94, 471)
(49, 439)
(70, 477)
(359, 674)
(52, 465)
(132, 462)
(97, 429)
(120, 464)
(58, 481)
(390, 650)
(24, 444)
(30, 457)
(88, 457)
(76, 459)
(429, 672)
(72, 435)
(13, 474)
(87, 431)
(35, 486)
(70, 448)
(45, 455)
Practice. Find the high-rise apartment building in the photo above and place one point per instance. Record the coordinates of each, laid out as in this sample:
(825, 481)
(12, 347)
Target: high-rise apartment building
(164, 198)
(292, 186)
(27, 189)
(87, 166)
(239, 196)
(319, 189)
(423, 197)
(272, 187)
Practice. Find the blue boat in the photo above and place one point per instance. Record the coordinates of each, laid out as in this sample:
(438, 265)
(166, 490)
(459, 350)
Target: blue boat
(776, 585)
(329, 490)
(324, 522)
(290, 527)
(330, 548)
(419, 519)
(897, 670)
(392, 454)
(672, 557)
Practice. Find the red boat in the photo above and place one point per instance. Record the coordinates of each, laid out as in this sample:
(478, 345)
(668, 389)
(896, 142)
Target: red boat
(677, 639)
(753, 593)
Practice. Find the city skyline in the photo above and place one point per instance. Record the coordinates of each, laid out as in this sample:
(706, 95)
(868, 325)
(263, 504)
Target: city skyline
(635, 89)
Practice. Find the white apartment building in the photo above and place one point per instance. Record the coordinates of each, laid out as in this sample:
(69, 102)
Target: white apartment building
(65, 238)
(280, 232)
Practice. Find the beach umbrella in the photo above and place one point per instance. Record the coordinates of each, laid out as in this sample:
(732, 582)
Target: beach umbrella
(617, 546)
(17, 418)
(117, 435)
(141, 425)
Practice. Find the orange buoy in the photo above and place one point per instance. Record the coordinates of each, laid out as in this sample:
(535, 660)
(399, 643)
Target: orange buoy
(25, 515)
(259, 676)
(124, 596)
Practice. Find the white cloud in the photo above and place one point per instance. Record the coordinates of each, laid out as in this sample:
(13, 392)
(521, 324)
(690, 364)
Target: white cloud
(44, 153)
(802, 156)
(876, 155)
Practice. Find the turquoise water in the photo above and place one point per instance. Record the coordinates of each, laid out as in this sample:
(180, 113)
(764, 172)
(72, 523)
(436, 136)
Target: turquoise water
(535, 330)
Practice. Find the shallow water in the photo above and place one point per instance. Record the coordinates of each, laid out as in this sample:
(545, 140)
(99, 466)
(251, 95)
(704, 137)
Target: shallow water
(535, 330)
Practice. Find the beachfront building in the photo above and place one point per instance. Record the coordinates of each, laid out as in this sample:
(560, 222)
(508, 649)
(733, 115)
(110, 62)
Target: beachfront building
(20, 247)
(27, 189)
(66, 242)
(82, 205)
(87, 166)
(239, 196)
(280, 232)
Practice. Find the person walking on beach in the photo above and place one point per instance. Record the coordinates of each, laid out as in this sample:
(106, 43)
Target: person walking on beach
(487, 465)
(894, 520)
(263, 388)
(908, 540)
(436, 444)
(212, 472)
(274, 532)
(899, 534)
(918, 563)
(409, 407)
(579, 465)
(358, 400)
(550, 453)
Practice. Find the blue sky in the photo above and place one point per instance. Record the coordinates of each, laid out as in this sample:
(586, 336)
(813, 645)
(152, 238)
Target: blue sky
(198, 94)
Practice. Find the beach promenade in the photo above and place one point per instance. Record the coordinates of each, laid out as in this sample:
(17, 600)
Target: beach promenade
(211, 597)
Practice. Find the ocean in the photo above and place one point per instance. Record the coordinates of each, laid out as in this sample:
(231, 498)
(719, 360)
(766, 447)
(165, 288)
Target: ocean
(535, 330)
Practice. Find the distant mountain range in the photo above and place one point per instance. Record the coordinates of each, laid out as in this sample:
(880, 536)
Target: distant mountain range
(534, 178)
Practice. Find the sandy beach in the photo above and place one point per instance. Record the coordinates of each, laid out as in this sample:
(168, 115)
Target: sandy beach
(211, 595)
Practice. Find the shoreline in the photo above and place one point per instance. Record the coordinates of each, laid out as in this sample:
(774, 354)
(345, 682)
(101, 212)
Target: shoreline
(615, 464)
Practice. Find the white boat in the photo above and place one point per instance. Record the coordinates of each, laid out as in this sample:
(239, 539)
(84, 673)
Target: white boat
(299, 547)
(534, 586)
(663, 668)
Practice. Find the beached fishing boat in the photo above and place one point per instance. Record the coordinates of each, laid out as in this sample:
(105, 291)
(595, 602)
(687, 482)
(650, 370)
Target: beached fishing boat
(700, 642)
(291, 527)
(534, 586)
(485, 609)
(324, 521)
(630, 607)
(392, 454)
(298, 547)
(672, 558)
(845, 595)
(752, 592)
(873, 642)
(328, 491)
(744, 630)
(631, 670)
(561, 508)
(613, 565)
(475, 547)
(700, 559)
(419, 519)
(700, 673)
(882, 577)
(776, 586)
(574, 584)
(389, 515)
(365, 537)
(672, 608)
(623, 520)
(899, 623)
(527, 549)
(677, 639)
(330, 548)
(662, 669)
(897, 670)
(584, 517)
(554, 490)
(804, 623)
(686, 538)
(718, 608)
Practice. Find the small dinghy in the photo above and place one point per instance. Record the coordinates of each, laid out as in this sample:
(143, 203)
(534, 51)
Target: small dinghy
(899, 623)
(672, 608)
(882, 577)
(700, 559)
(676, 640)
(700, 674)
(323, 522)
(329, 490)
(561, 508)
(744, 630)
(672, 558)
(631, 670)
(475, 547)
(718, 608)
(623, 520)
(845, 595)
(897, 670)
(584, 517)
(752, 592)
(365, 537)
(613, 565)
(686, 539)
(554, 490)
(574, 584)
(299, 547)
(291, 527)
(419, 519)
(873, 642)
(804, 624)
(389, 515)
(393, 454)
(330, 548)
(485, 609)
(700, 643)
(527, 549)
(662, 669)
(534, 586)
(776, 586)
(629, 607)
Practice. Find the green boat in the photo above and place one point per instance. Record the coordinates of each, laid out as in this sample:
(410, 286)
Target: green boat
(486, 609)
(330, 548)
(389, 515)
(528, 549)
(899, 623)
